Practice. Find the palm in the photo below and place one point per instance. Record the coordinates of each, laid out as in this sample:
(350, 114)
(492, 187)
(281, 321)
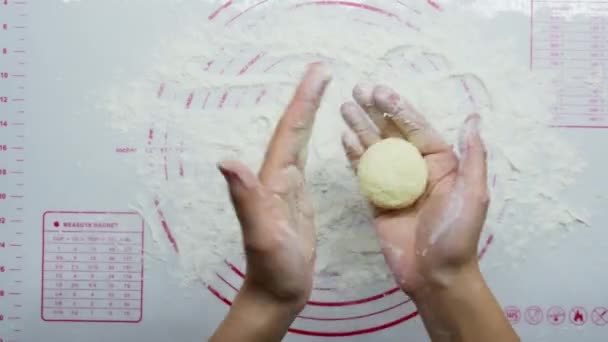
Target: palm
(280, 256)
(274, 209)
(406, 230)
(442, 228)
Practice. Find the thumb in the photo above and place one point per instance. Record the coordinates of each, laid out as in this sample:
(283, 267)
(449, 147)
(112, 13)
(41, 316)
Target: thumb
(245, 191)
(472, 169)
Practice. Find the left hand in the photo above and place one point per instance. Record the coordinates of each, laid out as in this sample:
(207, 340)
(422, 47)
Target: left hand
(431, 247)
(433, 242)
(274, 208)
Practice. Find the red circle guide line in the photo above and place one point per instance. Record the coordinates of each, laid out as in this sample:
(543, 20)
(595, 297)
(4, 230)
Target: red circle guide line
(331, 304)
(329, 318)
(358, 5)
(245, 11)
(356, 301)
(370, 330)
(434, 4)
(329, 2)
(378, 296)
(578, 126)
(221, 8)
(332, 333)
(349, 318)
(165, 225)
(355, 332)
(348, 4)
(484, 249)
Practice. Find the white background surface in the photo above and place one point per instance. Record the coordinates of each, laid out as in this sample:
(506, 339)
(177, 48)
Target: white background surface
(78, 50)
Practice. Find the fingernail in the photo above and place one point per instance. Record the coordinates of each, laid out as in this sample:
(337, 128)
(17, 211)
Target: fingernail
(471, 127)
(350, 140)
(227, 173)
(236, 173)
(323, 86)
(474, 123)
(387, 97)
(363, 93)
(349, 112)
(230, 175)
(322, 70)
(324, 76)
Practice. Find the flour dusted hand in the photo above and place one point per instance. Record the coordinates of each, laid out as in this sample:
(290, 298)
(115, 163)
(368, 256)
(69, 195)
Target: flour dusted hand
(274, 209)
(278, 227)
(427, 242)
(431, 247)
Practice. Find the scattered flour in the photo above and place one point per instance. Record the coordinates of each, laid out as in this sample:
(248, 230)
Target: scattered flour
(225, 85)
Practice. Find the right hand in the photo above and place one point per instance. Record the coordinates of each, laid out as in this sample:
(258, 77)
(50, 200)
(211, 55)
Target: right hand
(277, 221)
(434, 242)
(274, 207)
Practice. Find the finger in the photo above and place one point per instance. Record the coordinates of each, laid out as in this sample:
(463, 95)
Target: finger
(410, 122)
(360, 124)
(353, 148)
(290, 140)
(473, 168)
(364, 95)
(245, 192)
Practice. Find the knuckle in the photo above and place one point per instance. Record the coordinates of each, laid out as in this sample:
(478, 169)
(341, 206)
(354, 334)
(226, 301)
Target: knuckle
(479, 196)
(363, 94)
(260, 246)
(344, 108)
(347, 108)
(483, 197)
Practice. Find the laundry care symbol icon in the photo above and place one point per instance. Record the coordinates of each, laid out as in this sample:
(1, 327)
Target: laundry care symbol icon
(578, 315)
(599, 316)
(534, 315)
(556, 315)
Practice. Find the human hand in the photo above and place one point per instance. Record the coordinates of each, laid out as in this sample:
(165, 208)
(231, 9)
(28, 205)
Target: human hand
(434, 242)
(274, 208)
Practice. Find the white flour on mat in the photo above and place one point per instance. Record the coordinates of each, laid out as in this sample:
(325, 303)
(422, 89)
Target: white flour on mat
(225, 86)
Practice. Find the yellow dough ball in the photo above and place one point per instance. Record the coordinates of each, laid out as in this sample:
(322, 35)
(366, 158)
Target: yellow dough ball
(392, 173)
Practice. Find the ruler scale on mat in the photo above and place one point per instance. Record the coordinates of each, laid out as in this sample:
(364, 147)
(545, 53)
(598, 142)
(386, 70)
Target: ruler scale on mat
(14, 115)
(72, 265)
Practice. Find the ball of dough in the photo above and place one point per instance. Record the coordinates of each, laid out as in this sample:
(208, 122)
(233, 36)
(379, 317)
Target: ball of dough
(392, 173)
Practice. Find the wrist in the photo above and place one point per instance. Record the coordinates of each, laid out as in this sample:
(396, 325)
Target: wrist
(294, 300)
(267, 304)
(452, 282)
(255, 316)
(461, 307)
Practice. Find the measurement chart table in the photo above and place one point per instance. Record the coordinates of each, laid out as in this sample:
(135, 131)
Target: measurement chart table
(571, 38)
(92, 267)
